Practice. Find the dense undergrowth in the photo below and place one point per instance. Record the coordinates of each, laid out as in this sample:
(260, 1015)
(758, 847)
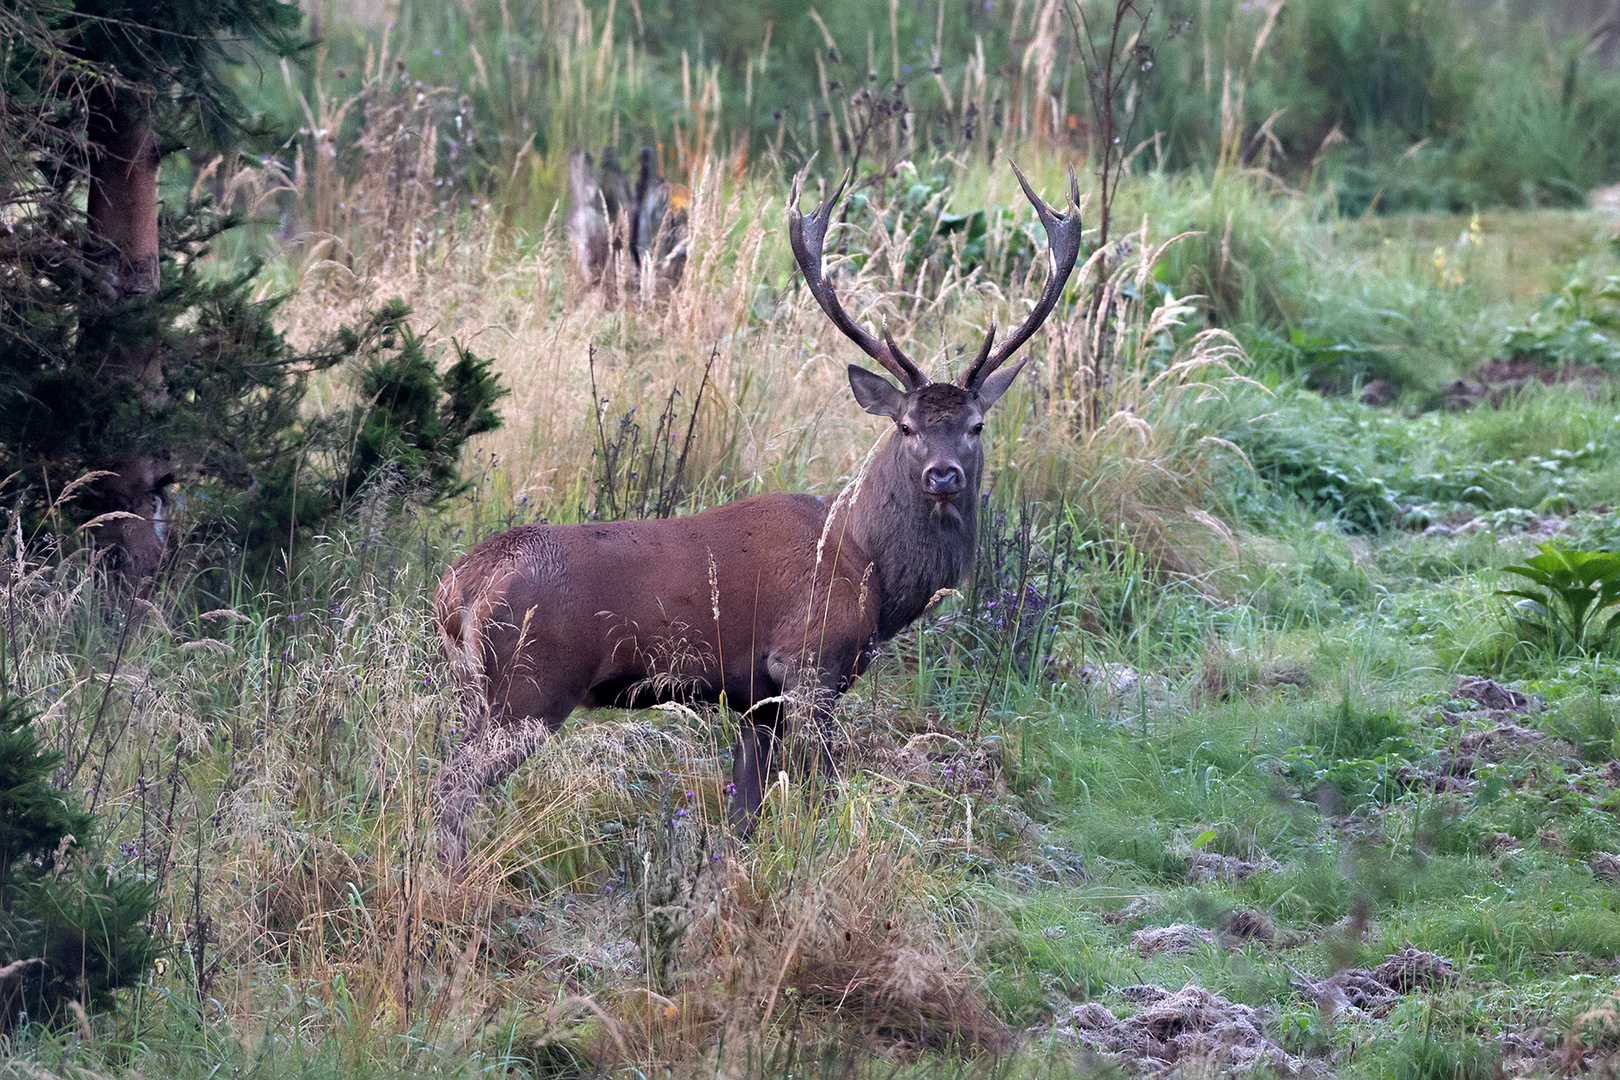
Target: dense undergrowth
(1204, 678)
(1195, 721)
(1378, 106)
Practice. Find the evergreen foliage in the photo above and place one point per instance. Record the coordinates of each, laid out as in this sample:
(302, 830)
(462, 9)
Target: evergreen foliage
(416, 418)
(172, 53)
(69, 932)
(229, 419)
(234, 386)
(33, 816)
(230, 422)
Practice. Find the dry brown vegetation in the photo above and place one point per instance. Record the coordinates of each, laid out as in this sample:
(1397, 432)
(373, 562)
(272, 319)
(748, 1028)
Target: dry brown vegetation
(304, 863)
(269, 763)
(777, 415)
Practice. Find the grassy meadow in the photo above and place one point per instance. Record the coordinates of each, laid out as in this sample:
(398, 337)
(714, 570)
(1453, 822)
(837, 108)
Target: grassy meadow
(1195, 736)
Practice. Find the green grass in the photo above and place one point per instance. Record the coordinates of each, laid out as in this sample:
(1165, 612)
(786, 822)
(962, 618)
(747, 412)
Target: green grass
(1278, 694)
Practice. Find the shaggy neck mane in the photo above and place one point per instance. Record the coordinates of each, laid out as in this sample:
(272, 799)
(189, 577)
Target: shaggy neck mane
(918, 546)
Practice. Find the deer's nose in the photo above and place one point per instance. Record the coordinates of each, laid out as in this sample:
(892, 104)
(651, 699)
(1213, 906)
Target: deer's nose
(944, 479)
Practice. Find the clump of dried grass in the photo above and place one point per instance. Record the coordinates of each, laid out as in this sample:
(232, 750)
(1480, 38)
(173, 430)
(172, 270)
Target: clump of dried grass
(852, 940)
(1593, 1040)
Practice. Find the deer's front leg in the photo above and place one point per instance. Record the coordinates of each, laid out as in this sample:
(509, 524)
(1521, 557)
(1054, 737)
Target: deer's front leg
(797, 735)
(754, 764)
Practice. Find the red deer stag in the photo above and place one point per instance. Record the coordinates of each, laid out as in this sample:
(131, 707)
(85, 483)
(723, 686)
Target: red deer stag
(770, 600)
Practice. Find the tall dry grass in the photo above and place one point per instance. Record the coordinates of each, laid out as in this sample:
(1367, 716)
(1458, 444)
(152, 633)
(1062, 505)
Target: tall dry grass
(776, 412)
(379, 207)
(267, 764)
(267, 760)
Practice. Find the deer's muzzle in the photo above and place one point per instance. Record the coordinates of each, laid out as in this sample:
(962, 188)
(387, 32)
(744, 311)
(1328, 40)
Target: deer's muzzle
(944, 481)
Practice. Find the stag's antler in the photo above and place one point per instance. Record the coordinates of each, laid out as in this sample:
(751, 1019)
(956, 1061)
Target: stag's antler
(1063, 243)
(807, 235)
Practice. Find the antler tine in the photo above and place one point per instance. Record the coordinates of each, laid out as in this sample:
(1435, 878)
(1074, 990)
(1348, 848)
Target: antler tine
(1063, 233)
(807, 235)
(971, 377)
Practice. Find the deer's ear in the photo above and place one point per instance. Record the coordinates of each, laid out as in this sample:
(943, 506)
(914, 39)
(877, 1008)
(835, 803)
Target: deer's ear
(991, 389)
(876, 395)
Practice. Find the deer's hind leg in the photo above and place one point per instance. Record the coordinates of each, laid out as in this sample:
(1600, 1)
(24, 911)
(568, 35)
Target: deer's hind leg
(519, 680)
(504, 723)
(485, 757)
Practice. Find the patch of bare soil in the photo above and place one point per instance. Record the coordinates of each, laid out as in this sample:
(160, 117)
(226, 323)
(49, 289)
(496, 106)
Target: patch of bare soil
(1413, 969)
(1177, 939)
(1511, 374)
(1379, 394)
(1493, 702)
(1139, 907)
(1507, 740)
(1492, 381)
(1191, 1027)
(1350, 990)
(1376, 990)
(1244, 926)
(1499, 377)
(1552, 839)
(1207, 866)
(1366, 825)
(1090, 1025)
(1502, 743)
(1465, 522)
(1490, 694)
(1037, 862)
(1441, 779)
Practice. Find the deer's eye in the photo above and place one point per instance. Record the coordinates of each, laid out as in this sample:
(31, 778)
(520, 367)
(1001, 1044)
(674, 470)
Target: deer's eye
(907, 429)
(977, 429)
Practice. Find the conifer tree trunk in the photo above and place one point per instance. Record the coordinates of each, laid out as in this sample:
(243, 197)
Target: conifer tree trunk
(123, 202)
(123, 212)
